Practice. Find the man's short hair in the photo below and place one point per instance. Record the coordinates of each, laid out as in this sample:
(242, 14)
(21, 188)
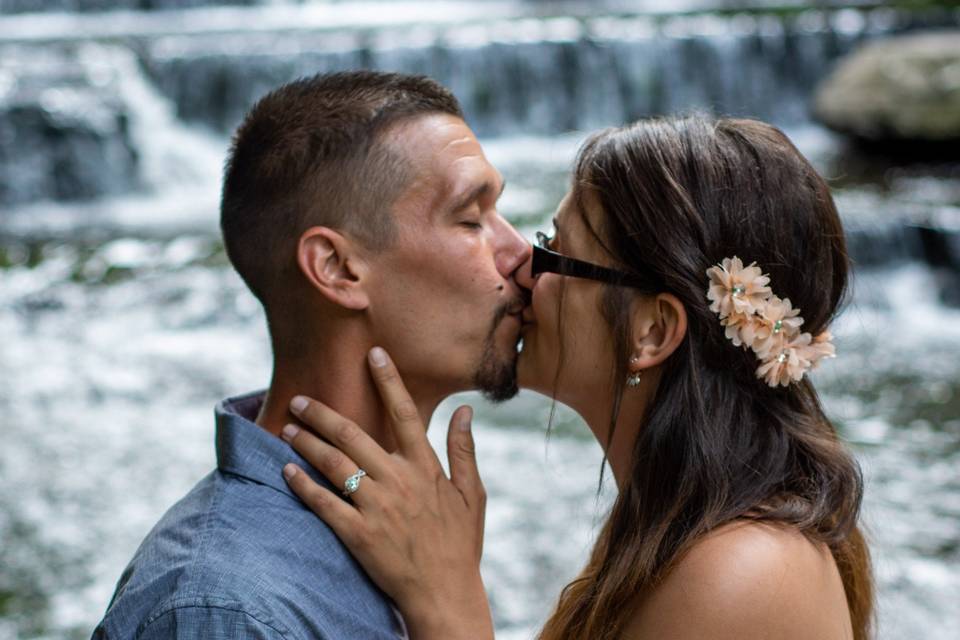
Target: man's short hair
(310, 153)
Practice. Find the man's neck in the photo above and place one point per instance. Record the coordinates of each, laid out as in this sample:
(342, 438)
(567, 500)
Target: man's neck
(341, 381)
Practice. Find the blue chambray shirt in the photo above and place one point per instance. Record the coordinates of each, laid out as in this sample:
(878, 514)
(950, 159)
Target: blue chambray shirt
(241, 557)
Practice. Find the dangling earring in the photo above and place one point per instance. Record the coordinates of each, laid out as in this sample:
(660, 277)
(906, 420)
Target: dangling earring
(633, 380)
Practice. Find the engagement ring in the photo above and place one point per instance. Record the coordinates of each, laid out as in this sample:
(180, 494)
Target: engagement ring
(352, 483)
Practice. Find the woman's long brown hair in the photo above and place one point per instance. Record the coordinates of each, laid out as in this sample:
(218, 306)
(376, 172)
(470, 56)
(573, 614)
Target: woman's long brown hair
(716, 444)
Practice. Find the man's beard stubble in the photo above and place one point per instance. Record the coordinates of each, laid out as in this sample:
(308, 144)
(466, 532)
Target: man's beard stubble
(496, 376)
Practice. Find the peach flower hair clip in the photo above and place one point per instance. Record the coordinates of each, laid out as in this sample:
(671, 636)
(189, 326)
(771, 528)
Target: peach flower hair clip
(757, 319)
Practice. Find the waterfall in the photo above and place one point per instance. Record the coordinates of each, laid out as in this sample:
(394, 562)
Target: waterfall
(139, 101)
(540, 76)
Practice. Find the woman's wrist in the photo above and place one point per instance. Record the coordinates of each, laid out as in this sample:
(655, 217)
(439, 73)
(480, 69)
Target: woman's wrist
(463, 614)
(450, 628)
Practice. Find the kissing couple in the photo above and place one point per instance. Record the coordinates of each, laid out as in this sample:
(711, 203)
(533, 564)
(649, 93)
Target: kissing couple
(686, 290)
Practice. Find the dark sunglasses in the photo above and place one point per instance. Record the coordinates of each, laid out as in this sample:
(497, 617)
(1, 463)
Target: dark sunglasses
(547, 261)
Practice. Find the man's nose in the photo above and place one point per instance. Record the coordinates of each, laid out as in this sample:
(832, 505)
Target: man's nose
(513, 251)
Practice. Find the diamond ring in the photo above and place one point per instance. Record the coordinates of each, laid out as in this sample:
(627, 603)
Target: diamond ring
(352, 483)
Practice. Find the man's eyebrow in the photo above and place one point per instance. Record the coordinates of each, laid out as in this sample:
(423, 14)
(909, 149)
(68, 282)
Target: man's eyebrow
(475, 194)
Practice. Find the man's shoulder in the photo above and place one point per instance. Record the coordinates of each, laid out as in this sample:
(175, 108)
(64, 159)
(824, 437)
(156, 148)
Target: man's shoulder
(233, 548)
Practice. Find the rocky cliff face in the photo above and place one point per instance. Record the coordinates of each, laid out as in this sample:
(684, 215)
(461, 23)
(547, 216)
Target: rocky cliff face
(64, 127)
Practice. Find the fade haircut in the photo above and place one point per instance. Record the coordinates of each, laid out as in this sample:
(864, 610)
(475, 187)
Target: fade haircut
(314, 153)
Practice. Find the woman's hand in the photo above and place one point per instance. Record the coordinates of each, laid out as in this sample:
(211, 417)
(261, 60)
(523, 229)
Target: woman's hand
(418, 534)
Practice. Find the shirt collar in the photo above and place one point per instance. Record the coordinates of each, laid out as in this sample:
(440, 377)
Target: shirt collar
(247, 450)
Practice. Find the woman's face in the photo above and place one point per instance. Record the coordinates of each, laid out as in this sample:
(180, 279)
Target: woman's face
(585, 375)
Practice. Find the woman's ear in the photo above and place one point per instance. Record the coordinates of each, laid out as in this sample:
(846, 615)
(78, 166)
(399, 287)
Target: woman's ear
(658, 326)
(333, 266)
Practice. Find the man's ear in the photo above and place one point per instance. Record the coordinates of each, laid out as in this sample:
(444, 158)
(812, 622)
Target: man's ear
(658, 326)
(333, 265)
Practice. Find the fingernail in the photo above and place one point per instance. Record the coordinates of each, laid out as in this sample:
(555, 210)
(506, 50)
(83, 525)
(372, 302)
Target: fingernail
(378, 357)
(298, 404)
(465, 418)
(289, 470)
(290, 432)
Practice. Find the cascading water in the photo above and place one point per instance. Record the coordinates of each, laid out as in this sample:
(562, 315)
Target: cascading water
(122, 323)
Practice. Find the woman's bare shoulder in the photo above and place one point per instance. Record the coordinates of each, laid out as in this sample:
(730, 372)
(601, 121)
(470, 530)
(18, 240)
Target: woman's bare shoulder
(748, 580)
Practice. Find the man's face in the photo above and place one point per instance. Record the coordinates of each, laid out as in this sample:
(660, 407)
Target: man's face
(443, 299)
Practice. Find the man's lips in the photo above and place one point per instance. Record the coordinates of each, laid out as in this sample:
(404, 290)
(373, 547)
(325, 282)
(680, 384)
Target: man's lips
(511, 315)
(517, 308)
(518, 318)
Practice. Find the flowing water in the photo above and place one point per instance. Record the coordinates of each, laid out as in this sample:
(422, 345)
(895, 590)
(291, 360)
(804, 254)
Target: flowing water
(122, 322)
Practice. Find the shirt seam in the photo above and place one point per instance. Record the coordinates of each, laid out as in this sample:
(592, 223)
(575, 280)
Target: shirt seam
(226, 605)
(207, 527)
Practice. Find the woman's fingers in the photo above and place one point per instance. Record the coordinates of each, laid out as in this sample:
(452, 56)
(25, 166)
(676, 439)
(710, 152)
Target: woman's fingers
(343, 434)
(408, 428)
(328, 460)
(344, 519)
(463, 458)
(418, 534)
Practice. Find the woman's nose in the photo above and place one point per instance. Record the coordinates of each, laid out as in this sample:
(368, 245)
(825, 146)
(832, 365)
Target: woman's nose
(525, 277)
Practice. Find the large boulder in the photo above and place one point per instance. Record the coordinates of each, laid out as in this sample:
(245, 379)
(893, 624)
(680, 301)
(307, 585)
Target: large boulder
(65, 130)
(901, 92)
